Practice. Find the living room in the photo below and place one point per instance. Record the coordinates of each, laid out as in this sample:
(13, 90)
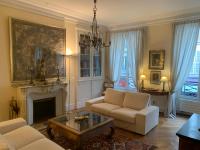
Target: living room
(150, 48)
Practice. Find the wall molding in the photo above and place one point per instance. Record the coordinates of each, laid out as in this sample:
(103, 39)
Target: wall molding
(159, 21)
(43, 11)
(74, 17)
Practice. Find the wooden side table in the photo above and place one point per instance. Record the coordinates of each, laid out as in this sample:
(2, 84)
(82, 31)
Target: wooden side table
(165, 94)
(189, 134)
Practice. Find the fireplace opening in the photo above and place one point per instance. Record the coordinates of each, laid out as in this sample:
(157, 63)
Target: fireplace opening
(43, 109)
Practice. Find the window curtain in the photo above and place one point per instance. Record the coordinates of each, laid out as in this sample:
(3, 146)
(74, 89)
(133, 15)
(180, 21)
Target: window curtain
(184, 47)
(134, 49)
(132, 40)
(116, 55)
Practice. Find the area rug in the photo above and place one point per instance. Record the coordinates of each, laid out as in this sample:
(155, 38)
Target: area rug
(101, 142)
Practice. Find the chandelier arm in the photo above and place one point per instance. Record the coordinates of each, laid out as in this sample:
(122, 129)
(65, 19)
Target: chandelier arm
(95, 39)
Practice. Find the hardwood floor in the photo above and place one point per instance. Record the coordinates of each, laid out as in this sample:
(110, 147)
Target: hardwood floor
(163, 136)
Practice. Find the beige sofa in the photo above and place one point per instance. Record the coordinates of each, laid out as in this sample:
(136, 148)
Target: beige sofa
(17, 135)
(131, 111)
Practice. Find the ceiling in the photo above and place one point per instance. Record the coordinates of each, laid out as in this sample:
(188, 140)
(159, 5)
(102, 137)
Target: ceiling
(113, 13)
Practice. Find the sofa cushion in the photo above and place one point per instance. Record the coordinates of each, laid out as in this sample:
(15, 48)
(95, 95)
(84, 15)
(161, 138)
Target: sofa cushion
(42, 144)
(103, 108)
(7, 126)
(124, 114)
(23, 136)
(114, 97)
(136, 101)
(4, 144)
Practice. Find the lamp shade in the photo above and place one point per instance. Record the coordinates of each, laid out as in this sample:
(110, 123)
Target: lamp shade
(142, 77)
(163, 79)
(68, 52)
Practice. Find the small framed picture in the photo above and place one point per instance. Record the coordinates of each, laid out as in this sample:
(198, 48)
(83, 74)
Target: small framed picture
(156, 59)
(155, 77)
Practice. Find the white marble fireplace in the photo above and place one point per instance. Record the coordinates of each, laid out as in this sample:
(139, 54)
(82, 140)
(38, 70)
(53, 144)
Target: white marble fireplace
(27, 94)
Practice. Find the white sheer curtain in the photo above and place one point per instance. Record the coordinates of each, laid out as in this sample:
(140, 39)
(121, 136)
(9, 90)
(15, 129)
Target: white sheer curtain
(116, 55)
(134, 48)
(185, 41)
(132, 40)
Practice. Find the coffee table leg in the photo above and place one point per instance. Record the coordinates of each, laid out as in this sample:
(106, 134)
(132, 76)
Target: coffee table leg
(49, 132)
(112, 132)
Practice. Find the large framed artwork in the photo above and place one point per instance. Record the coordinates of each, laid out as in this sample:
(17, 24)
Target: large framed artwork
(36, 47)
(156, 59)
(155, 77)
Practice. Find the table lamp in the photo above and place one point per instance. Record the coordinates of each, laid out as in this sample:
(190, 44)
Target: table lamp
(163, 80)
(142, 77)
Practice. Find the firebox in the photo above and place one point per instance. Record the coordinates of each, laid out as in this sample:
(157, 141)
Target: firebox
(43, 109)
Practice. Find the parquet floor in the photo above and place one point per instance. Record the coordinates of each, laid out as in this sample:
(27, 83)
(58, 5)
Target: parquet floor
(163, 136)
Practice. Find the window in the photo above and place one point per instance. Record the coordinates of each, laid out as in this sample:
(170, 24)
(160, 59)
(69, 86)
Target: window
(191, 86)
(125, 82)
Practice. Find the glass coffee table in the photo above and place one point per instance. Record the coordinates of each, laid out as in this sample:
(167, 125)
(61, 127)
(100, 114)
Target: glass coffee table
(80, 126)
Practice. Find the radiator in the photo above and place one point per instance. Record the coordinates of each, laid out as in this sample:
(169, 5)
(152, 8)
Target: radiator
(189, 106)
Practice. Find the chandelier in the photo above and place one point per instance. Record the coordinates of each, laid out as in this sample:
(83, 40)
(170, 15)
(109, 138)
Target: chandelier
(95, 36)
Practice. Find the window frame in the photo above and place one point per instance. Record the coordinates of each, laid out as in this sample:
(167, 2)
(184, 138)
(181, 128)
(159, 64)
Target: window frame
(197, 98)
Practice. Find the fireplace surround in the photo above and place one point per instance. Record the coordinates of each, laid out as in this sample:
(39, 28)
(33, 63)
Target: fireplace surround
(26, 95)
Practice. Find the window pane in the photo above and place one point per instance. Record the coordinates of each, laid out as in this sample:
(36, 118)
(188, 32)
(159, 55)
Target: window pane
(125, 82)
(190, 87)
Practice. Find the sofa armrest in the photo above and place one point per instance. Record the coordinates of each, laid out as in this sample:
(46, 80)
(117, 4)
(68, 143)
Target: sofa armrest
(146, 119)
(94, 101)
(7, 126)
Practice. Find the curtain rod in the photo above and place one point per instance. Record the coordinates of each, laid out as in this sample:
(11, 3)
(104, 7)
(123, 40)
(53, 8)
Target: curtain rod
(131, 29)
(189, 20)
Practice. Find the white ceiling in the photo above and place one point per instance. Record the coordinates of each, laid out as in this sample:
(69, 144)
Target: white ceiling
(118, 12)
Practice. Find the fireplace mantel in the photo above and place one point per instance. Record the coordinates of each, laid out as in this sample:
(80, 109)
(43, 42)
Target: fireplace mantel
(26, 94)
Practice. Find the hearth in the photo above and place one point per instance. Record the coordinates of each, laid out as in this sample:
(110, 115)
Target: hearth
(43, 109)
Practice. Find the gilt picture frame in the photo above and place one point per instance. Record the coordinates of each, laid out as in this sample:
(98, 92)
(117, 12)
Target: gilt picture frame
(155, 77)
(156, 59)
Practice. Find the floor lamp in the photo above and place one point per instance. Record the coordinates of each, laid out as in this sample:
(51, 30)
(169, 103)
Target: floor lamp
(69, 54)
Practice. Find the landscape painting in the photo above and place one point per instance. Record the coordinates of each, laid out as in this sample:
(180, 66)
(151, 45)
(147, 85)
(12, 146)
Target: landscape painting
(36, 48)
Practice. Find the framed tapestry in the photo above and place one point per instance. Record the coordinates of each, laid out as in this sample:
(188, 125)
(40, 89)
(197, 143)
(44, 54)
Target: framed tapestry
(156, 59)
(33, 45)
(155, 77)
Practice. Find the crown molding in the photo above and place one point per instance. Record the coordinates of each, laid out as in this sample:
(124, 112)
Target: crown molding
(158, 20)
(36, 9)
(17, 4)
(74, 17)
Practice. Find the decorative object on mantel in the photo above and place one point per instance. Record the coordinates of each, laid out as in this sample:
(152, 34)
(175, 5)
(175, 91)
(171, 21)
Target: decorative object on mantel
(30, 69)
(95, 37)
(163, 80)
(14, 108)
(155, 77)
(38, 46)
(156, 59)
(142, 77)
(58, 73)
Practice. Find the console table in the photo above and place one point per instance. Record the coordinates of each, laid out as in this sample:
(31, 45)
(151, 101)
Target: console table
(159, 97)
(189, 134)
